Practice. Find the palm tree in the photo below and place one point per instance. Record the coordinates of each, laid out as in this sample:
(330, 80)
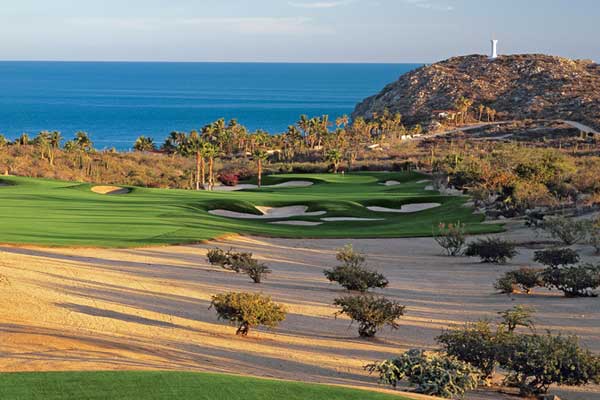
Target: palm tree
(174, 143)
(194, 145)
(260, 155)
(334, 156)
(210, 151)
(144, 143)
(83, 141)
(481, 109)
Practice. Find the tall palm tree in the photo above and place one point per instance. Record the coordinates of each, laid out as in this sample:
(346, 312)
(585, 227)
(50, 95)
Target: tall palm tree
(260, 155)
(334, 156)
(194, 145)
(83, 141)
(210, 151)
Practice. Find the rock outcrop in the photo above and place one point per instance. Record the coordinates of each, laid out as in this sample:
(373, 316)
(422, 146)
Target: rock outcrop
(517, 86)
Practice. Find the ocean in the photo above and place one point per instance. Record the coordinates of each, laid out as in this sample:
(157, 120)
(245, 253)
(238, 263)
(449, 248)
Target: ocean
(117, 102)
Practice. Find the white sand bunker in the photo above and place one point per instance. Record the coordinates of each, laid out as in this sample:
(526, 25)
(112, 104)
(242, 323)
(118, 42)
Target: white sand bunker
(297, 223)
(270, 213)
(424, 181)
(110, 190)
(391, 183)
(244, 186)
(339, 219)
(406, 208)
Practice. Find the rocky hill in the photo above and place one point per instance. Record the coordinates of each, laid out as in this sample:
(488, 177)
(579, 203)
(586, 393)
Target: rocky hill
(516, 86)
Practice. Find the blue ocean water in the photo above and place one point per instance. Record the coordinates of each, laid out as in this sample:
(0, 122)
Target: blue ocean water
(117, 102)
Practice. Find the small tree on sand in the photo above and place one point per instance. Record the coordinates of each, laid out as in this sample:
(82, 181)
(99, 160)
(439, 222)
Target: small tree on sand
(248, 310)
(353, 274)
(451, 237)
(370, 312)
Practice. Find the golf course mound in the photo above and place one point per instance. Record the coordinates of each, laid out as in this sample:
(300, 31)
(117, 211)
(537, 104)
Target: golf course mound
(270, 213)
(247, 186)
(406, 208)
(76, 216)
(110, 190)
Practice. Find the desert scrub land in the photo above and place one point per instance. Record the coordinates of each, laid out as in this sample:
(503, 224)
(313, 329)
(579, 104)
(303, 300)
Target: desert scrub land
(57, 213)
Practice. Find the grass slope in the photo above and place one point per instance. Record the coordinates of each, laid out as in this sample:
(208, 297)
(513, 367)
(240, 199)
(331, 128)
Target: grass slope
(167, 385)
(56, 213)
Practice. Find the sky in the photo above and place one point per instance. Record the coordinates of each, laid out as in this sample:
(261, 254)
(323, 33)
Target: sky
(419, 31)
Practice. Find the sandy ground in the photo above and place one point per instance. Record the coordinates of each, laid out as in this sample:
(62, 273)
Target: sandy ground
(244, 186)
(269, 213)
(406, 208)
(391, 183)
(95, 309)
(110, 190)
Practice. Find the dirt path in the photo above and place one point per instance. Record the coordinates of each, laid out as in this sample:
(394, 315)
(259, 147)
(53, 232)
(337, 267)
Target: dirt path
(94, 309)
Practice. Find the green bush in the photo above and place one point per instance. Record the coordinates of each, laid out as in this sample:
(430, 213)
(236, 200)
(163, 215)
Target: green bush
(578, 281)
(370, 312)
(492, 250)
(525, 278)
(515, 317)
(568, 231)
(534, 362)
(451, 237)
(475, 343)
(248, 310)
(218, 257)
(556, 257)
(433, 374)
(353, 274)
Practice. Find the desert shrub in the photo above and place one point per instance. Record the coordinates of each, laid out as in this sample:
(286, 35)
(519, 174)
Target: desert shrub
(237, 261)
(594, 239)
(492, 250)
(577, 281)
(353, 274)
(515, 317)
(534, 362)
(568, 231)
(451, 237)
(217, 256)
(434, 374)
(370, 312)
(248, 310)
(556, 257)
(255, 270)
(525, 278)
(528, 194)
(229, 179)
(475, 343)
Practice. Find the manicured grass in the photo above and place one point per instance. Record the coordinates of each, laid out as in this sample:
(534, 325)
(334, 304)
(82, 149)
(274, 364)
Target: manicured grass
(128, 385)
(56, 213)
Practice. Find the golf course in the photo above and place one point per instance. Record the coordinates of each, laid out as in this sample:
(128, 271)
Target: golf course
(359, 205)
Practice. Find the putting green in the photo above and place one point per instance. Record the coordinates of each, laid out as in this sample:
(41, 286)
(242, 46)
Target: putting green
(167, 386)
(57, 213)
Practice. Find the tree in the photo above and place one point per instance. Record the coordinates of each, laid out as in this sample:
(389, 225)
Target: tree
(260, 156)
(195, 145)
(210, 151)
(334, 156)
(353, 274)
(451, 237)
(517, 316)
(144, 144)
(248, 310)
(556, 257)
(83, 141)
(492, 250)
(371, 312)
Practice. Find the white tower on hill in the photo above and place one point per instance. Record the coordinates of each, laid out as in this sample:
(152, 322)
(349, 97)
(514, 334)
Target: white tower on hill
(494, 54)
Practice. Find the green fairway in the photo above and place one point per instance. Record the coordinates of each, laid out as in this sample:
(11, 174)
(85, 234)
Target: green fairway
(56, 213)
(128, 385)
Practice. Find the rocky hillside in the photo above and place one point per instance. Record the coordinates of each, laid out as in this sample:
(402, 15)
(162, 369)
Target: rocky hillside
(516, 86)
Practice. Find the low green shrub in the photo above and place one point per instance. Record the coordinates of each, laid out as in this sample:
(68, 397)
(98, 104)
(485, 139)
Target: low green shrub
(524, 278)
(217, 256)
(248, 310)
(451, 237)
(492, 250)
(568, 231)
(353, 274)
(534, 362)
(434, 374)
(515, 317)
(556, 257)
(577, 281)
(255, 270)
(370, 312)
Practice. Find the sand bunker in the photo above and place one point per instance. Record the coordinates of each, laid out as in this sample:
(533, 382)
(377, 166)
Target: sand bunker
(244, 186)
(424, 181)
(406, 208)
(391, 183)
(297, 223)
(338, 219)
(270, 213)
(110, 190)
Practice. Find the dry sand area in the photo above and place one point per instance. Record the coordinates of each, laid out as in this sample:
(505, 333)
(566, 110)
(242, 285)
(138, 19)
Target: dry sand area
(110, 190)
(98, 309)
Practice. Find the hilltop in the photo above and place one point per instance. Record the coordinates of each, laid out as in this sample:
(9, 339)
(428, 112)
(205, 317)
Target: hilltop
(517, 86)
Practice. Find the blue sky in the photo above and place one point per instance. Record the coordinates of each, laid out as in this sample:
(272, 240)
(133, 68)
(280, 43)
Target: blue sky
(295, 30)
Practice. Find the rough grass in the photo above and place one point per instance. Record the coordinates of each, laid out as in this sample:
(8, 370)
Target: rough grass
(57, 213)
(121, 385)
